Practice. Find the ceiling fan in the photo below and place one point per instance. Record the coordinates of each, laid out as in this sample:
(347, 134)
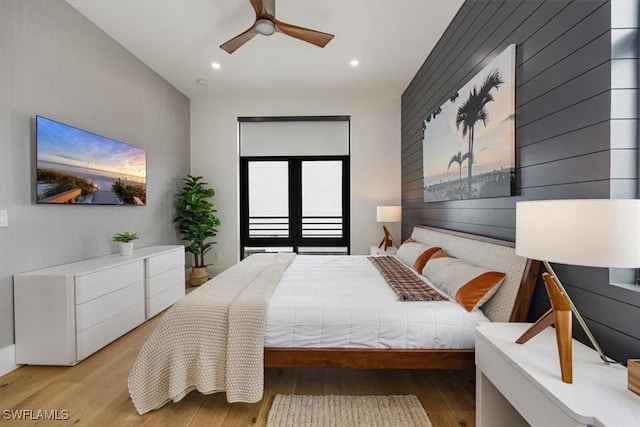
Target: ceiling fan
(266, 24)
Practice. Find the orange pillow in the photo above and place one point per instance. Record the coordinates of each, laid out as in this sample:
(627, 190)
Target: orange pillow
(441, 254)
(420, 262)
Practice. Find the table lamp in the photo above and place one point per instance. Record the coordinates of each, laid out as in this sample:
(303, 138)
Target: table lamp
(388, 214)
(585, 232)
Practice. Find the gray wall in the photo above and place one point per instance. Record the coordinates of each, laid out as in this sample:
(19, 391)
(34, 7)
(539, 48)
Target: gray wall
(56, 63)
(572, 140)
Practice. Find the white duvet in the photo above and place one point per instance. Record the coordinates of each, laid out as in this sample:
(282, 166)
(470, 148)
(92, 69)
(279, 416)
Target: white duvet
(343, 302)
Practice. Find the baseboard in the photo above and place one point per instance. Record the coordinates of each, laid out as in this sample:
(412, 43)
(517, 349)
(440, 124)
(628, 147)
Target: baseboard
(8, 359)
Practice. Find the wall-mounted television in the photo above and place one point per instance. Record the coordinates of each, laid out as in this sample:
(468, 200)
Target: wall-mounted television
(79, 167)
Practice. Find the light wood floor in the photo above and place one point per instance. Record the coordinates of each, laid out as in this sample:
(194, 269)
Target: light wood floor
(95, 392)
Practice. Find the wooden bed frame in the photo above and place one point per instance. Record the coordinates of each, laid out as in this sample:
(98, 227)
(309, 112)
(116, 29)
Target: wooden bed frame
(403, 359)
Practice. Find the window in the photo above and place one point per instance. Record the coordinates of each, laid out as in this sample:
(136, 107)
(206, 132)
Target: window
(268, 201)
(294, 186)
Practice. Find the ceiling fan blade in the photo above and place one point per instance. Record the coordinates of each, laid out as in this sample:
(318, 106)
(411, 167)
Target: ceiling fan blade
(259, 8)
(233, 44)
(317, 38)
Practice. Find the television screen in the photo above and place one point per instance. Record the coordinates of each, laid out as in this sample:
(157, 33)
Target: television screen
(76, 166)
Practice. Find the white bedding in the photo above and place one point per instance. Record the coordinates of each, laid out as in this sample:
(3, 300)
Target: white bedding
(343, 302)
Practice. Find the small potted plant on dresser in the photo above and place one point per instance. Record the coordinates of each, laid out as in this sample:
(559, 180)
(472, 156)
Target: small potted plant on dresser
(196, 222)
(126, 241)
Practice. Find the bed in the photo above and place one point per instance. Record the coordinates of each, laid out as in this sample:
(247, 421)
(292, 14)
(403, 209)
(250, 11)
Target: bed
(283, 310)
(510, 304)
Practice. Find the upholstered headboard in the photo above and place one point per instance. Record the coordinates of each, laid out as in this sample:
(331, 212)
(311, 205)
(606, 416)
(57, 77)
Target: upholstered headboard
(511, 302)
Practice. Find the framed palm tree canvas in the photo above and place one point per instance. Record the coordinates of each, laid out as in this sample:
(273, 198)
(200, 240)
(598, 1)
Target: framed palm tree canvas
(469, 141)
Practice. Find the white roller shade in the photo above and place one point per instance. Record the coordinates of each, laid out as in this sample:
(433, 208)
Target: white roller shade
(294, 138)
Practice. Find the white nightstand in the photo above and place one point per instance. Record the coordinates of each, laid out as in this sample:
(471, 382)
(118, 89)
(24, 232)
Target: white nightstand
(520, 384)
(374, 250)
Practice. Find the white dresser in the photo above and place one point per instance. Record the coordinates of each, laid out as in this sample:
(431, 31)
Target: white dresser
(65, 313)
(163, 277)
(520, 384)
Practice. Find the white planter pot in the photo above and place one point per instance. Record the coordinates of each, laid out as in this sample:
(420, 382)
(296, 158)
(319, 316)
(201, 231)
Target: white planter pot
(126, 248)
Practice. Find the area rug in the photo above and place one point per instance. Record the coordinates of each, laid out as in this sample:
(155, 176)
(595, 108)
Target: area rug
(289, 410)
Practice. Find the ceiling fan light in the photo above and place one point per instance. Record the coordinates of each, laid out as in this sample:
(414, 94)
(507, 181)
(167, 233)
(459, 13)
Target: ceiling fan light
(265, 27)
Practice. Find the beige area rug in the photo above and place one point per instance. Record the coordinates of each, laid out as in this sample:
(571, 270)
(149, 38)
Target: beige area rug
(289, 410)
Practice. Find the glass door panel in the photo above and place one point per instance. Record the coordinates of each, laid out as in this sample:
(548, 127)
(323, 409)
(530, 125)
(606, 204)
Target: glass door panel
(268, 199)
(322, 213)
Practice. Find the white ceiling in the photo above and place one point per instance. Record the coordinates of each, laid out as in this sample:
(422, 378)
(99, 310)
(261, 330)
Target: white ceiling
(179, 39)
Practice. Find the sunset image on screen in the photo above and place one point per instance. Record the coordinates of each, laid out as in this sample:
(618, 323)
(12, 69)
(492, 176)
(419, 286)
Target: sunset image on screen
(76, 166)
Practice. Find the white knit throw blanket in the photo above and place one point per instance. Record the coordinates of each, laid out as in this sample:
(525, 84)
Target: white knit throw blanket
(212, 340)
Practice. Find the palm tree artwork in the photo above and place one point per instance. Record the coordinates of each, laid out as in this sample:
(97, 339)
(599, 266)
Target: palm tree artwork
(473, 111)
(459, 158)
(473, 124)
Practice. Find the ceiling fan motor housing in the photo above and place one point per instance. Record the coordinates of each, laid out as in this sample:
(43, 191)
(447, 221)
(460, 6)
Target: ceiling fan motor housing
(265, 27)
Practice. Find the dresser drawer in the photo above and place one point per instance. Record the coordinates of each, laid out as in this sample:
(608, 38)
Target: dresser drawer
(93, 285)
(93, 339)
(160, 263)
(163, 281)
(100, 309)
(163, 300)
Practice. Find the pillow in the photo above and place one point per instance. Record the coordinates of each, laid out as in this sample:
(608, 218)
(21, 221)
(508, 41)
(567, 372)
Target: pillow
(441, 254)
(415, 254)
(468, 284)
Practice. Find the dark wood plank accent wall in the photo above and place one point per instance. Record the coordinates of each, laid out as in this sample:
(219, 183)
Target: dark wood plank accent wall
(563, 142)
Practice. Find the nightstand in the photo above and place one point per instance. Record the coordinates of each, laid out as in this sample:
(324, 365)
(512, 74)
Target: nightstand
(520, 384)
(374, 250)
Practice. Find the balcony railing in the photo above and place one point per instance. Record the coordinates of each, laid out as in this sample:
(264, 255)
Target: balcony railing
(329, 227)
(266, 227)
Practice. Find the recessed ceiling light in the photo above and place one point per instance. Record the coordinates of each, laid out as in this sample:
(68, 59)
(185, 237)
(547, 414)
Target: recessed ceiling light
(354, 62)
(202, 82)
(215, 65)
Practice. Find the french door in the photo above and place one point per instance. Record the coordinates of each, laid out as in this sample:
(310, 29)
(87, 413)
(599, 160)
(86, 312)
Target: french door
(294, 203)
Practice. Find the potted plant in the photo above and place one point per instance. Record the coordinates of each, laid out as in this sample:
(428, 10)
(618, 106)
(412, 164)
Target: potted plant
(196, 222)
(126, 241)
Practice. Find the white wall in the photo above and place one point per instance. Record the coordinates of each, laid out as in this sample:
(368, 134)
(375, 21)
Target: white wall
(56, 63)
(375, 158)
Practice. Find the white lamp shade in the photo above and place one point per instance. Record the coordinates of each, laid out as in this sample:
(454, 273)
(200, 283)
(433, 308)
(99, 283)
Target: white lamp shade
(389, 213)
(594, 233)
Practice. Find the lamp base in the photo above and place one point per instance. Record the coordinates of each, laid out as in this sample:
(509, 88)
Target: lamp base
(387, 241)
(560, 314)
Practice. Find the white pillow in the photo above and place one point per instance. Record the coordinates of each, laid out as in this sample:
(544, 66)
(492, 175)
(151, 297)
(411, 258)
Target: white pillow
(415, 254)
(470, 285)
